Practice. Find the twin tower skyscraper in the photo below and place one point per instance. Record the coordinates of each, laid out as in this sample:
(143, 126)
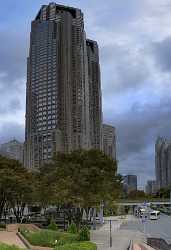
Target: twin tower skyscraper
(63, 95)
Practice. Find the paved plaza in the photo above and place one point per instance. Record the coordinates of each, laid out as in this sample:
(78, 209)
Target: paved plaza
(120, 237)
(11, 238)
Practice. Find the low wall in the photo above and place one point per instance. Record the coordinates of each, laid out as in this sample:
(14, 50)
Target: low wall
(158, 244)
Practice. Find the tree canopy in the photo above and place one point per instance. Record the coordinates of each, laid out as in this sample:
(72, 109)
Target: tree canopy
(82, 178)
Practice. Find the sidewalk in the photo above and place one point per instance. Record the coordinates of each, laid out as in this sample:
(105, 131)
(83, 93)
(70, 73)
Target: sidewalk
(120, 238)
(11, 238)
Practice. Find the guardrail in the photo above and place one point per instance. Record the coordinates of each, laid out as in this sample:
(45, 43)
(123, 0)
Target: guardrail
(130, 247)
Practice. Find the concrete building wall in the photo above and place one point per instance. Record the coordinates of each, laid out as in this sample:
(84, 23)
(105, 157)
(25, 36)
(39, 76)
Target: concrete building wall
(151, 187)
(130, 183)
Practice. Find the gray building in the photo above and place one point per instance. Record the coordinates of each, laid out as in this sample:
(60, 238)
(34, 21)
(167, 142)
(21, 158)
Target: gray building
(151, 187)
(95, 96)
(12, 149)
(130, 183)
(58, 78)
(163, 162)
(109, 141)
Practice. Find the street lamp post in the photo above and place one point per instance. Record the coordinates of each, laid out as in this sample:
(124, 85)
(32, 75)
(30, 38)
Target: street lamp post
(110, 233)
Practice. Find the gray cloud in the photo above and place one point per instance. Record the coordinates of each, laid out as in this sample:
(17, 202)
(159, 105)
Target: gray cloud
(134, 65)
(10, 130)
(162, 54)
(137, 131)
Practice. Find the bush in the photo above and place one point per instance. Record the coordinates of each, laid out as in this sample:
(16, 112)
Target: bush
(6, 247)
(52, 226)
(78, 246)
(84, 234)
(49, 238)
(72, 228)
(2, 226)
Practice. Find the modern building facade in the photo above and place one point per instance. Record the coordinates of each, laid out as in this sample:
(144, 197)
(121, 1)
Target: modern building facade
(130, 183)
(109, 141)
(12, 149)
(58, 78)
(95, 96)
(151, 187)
(163, 162)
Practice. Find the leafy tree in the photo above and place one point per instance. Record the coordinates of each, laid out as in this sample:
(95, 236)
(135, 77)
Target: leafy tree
(82, 179)
(137, 194)
(16, 186)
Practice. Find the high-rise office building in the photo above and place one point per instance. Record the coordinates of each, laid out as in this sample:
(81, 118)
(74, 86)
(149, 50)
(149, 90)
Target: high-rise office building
(163, 162)
(151, 187)
(58, 78)
(130, 183)
(109, 141)
(95, 96)
(12, 149)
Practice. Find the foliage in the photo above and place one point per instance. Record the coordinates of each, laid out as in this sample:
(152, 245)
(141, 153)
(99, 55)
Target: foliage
(137, 194)
(7, 247)
(80, 180)
(78, 246)
(84, 234)
(49, 238)
(16, 186)
(164, 192)
(2, 226)
(52, 226)
(72, 228)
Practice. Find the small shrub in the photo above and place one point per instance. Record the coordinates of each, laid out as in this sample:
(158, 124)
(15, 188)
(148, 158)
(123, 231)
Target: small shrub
(72, 228)
(52, 226)
(84, 234)
(78, 246)
(2, 226)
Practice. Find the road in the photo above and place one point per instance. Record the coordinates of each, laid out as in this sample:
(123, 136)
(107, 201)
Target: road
(120, 238)
(160, 228)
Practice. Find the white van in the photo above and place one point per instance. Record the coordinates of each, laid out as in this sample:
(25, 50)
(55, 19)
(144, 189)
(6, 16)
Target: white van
(154, 215)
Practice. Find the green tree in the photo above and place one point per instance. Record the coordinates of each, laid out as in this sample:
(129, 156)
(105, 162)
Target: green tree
(137, 194)
(82, 179)
(16, 186)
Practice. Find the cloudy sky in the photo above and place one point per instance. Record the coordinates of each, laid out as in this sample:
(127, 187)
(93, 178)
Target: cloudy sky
(135, 56)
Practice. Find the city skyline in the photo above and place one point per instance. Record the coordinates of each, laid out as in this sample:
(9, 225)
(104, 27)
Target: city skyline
(131, 92)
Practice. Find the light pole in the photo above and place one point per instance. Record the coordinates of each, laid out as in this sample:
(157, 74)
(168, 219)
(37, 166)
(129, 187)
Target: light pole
(110, 233)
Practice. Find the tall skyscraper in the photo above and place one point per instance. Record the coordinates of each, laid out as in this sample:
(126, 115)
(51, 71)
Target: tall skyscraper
(12, 149)
(58, 78)
(109, 141)
(95, 96)
(163, 162)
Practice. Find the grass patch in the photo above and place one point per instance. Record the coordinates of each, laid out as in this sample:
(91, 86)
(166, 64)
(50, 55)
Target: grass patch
(49, 238)
(6, 247)
(78, 246)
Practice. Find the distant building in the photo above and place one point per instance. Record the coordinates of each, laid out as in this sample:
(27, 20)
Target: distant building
(109, 141)
(12, 149)
(151, 187)
(130, 183)
(163, 162)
